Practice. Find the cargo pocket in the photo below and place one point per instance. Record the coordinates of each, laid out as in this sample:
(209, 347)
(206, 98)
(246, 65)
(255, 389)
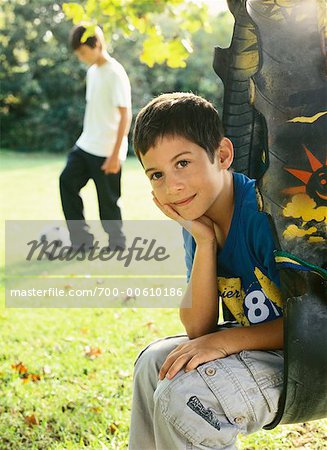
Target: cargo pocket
(267, 369)
(193, 409)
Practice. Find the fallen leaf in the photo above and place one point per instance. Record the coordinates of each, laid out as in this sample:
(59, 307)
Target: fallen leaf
(128, 298)
(31, 420)
(68, 287)
(113, 428)
(20, 368)
(92, 352)
(34, 377)
(96, 409)
(24, 374)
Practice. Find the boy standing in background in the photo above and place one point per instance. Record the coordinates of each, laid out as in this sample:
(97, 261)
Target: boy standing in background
(103, 144)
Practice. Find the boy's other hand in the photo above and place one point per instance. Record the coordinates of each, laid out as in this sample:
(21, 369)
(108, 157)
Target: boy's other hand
(203, 229)
(193, 353)
(111, 165)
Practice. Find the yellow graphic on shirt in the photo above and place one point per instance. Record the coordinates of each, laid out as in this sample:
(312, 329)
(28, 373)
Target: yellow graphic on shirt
(269, 288)
(233, 295)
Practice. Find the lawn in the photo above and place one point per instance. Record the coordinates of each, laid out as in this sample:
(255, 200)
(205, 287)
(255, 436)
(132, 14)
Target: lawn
(66, 374)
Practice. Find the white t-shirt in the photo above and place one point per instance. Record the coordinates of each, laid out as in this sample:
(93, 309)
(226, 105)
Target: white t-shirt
(107, 87)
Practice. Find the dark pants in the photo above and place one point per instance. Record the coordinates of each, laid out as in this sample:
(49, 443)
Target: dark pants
(80, 167)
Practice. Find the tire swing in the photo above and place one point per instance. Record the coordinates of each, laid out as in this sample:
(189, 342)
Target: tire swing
(275, 113)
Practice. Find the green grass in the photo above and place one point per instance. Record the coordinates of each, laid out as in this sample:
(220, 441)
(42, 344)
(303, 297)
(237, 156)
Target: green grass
(82, 402)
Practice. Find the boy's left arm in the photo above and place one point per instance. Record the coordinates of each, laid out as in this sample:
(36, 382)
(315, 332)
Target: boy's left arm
(264, 336)
(112, 163)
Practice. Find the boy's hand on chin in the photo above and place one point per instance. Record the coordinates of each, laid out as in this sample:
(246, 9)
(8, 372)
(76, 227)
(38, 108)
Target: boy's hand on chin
(191, 354)
(202, 229)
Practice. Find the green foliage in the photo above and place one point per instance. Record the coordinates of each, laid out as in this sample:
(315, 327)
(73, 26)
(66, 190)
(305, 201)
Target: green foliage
(42, 96)
(42, 93)
(74, 12)
(144, 17)
(198, 76)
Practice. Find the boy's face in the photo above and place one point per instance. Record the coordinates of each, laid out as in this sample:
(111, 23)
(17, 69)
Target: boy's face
(183, 177)
(88, 55)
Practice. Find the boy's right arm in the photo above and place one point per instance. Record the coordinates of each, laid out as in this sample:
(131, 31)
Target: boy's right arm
(202, 317)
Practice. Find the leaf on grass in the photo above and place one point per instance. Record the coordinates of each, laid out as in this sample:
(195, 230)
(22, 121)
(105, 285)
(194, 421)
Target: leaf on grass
(96, 409)
(151, 326)
(20, 368)
(34, 377)
(31, 420)
(26, 377)
(113, 428)
(68, 287)
(129, 298)
(24, 374)
(92, 352)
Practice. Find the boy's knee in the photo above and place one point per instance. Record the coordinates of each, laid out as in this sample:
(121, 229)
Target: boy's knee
(147, 361)
(67, 181)
(152, 357)
(64, 178)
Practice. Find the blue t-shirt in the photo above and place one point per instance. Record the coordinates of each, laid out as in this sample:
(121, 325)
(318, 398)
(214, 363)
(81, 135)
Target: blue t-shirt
(247, 277)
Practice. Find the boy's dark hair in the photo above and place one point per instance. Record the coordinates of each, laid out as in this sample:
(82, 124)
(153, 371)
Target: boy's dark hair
(76, 36)
(178, 114)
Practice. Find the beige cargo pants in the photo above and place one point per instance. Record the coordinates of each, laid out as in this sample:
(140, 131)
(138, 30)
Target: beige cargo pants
(205, 408)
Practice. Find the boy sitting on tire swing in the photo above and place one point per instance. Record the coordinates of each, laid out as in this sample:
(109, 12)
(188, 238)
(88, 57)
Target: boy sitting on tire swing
(199, 391)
